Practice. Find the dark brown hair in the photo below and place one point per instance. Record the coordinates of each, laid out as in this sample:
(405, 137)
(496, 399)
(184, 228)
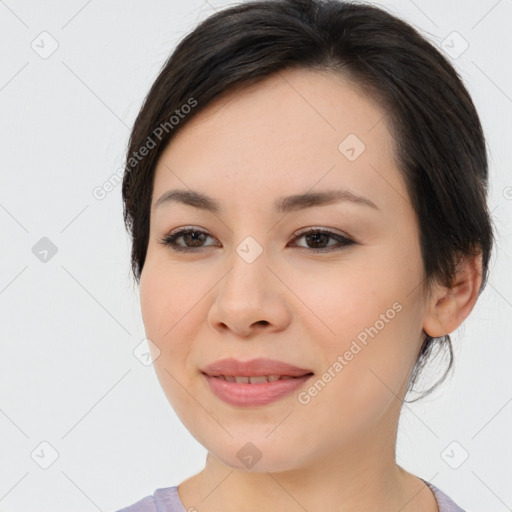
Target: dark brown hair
(440, 146)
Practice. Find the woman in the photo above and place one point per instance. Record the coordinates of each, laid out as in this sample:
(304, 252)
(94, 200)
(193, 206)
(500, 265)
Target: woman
(306, 194)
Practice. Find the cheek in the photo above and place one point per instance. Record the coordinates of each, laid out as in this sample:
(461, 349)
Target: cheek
(362, 382)
(164, 310)
(164, 313)
(375, 328)
(167, 297)
(344, 301)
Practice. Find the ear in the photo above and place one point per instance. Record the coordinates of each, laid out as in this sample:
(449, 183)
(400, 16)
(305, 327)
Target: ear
(447, 307)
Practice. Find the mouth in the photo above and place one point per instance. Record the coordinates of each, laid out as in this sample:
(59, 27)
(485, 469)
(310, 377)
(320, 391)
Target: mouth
(254, 383)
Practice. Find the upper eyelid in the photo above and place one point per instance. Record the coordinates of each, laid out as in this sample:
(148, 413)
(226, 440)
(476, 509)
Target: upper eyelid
(296, 233)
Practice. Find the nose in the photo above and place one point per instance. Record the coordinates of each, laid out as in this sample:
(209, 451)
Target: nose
(249, 298)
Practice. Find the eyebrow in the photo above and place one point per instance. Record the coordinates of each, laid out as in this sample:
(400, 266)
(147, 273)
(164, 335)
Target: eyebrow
(281, 205)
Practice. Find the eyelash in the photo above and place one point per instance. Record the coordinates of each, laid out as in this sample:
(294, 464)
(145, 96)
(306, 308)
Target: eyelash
(170, 240)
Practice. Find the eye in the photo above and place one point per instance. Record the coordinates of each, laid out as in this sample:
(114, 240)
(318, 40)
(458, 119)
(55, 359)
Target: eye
(319, 236)
(196, 237)
(193, 236)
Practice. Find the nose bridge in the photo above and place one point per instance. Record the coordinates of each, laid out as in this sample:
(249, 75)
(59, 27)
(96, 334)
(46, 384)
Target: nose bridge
(249, 265)
(248, 282)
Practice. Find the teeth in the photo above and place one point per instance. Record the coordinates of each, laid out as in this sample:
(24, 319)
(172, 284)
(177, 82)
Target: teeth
(254, 380)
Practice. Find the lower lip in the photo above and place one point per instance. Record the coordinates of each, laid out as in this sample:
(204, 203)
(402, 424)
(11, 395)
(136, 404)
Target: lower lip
(247, 395)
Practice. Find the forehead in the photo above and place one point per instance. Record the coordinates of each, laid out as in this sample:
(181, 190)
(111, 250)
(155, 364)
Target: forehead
(293, 131)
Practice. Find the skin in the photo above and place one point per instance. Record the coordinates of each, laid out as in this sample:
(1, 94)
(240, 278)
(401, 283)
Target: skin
(337, 452)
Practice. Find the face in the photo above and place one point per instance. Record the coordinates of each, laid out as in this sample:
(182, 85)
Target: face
(248, 281)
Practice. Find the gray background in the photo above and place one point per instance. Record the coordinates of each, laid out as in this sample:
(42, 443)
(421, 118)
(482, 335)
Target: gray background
(69, 325)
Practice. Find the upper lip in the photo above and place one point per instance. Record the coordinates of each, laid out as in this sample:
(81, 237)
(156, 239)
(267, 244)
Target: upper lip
(253, 368)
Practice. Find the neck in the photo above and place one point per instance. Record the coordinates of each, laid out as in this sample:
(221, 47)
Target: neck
(350, 478)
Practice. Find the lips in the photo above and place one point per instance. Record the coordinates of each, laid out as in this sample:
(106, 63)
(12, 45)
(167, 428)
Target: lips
(242, 371)
(249, 395)
(253, 383)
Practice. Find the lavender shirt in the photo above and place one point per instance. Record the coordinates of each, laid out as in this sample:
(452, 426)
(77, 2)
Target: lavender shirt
(168, 500)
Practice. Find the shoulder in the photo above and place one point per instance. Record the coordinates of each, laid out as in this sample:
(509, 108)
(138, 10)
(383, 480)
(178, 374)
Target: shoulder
(146, 504)
(444, 502)
(162, 500)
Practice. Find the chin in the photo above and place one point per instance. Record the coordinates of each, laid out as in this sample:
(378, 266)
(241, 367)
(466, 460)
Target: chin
(258, 456)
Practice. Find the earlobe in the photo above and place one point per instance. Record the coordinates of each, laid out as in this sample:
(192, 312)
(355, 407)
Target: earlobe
(449, 306)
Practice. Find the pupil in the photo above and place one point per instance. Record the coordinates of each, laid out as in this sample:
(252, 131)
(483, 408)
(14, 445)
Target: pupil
(196, 237)
(315, 237)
